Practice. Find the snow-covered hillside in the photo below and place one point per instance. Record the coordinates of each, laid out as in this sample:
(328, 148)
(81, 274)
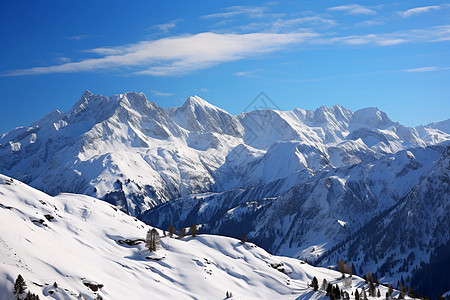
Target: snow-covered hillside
(78, 242)
(137, 155)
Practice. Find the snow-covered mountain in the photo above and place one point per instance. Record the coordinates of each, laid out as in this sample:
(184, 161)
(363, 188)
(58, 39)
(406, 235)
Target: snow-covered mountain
(137, 155)
(77, 247)
(299, 183)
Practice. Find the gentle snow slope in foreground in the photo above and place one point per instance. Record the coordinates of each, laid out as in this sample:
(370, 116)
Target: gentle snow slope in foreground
(80, 245)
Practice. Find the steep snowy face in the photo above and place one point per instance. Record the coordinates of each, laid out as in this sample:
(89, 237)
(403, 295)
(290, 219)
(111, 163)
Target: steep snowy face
(404, 238)
(137, 155)
(77, 247)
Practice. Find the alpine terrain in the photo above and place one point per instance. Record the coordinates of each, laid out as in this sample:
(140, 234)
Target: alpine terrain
(324, 185)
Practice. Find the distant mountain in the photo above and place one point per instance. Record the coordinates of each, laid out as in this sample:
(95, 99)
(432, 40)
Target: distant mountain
(76, 247)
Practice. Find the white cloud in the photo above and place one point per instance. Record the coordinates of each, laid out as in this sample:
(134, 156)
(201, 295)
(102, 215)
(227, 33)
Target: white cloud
(250, 11)
(283, 24)
(426, 69)
(353, 9)
(164, 28)
(64, 59)
(176, 55)
(418, 10)
(160, 94)
(434, 34)
(368, 23)
(77, 37)
(249, 74)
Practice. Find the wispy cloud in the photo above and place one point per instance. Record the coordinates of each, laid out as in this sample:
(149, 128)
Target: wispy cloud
(434, 34)
(249, 74)
(426, 69)
(288, 24)
(353, 9)
(161, 94)
(369, 23)
(250, 11)
(241, 10)
(64, 59)
(77, 37)
(418, 10)
(165, 27)
(176, 55)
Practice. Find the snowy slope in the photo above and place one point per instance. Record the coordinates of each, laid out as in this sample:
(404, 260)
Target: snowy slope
(74, 240)
(137, 155)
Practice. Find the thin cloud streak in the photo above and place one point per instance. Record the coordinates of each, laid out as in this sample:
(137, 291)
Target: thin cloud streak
(165, 27)
(426, 69)
(77, 37)
(250, 11)
(249, 74)
(434, 34)
(353, 9)
(161, 94)
(418, 10)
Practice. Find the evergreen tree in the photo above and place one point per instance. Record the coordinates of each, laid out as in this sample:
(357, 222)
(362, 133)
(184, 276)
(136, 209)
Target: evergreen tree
(390, 290)
(182, 233)
(337, 292)
(324, 285)
(341, 267)
(194, 230)
(315, 284)
(356, 295)
(329, 289)
(402, 292)
(363, 294)
(171, 230)
(152, 239)
(19, 286)
(378, 293)
(243, 239)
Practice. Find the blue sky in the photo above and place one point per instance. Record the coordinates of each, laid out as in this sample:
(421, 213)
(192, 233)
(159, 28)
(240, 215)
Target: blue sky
(392, 55)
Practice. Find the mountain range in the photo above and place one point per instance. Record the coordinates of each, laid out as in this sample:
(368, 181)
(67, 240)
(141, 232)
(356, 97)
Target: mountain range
(318, 185)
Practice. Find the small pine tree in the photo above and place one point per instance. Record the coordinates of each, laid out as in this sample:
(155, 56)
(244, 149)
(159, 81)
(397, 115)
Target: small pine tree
(378, 293)
(171, 230)
(31, 296)
(315, 284)
(402, 292)
(19, 286)
(390, 291)
(329, 289)
(341, 267)
(363, 294)
(356, 295)
(152, 239)
(182, 233)
(324, 285)
(243, 239)
(337, 292)
(194, 230)
(55, 285)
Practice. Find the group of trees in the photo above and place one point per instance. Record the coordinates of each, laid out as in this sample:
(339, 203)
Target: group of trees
(334, 292)
(20, 287)
(152, 240)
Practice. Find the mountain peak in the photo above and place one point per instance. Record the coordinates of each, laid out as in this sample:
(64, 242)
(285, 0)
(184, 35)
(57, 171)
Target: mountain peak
(196, 101)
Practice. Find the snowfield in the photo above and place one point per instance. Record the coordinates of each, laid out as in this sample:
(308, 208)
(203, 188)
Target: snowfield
(78, 242)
